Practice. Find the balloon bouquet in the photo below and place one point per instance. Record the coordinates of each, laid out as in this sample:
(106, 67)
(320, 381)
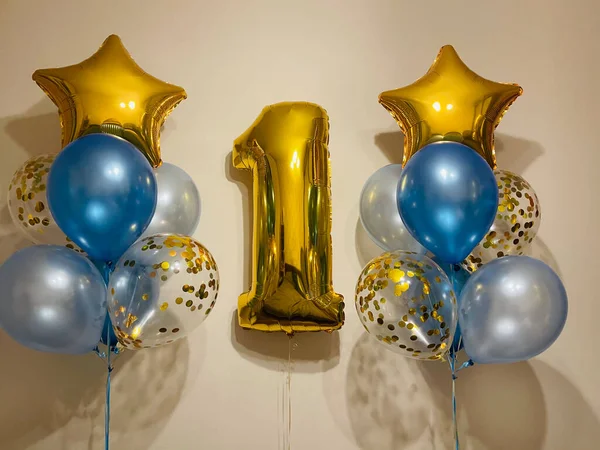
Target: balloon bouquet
(474, 288)
(116, 263)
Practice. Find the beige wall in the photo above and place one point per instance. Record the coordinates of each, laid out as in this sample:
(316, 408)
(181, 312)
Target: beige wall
(224, 389)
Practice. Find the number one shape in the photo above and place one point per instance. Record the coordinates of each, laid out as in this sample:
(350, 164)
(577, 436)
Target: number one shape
(292, 290)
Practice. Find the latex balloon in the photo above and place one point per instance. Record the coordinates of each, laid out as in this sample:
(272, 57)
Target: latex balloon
(28, 204)
(450, 103)
(511, 309)
(108, 336)
(178, 202)
(292, 289)
(102, 194)
(53, 300)
(110, 93)
(448, 198)
(517, 221)
(458, 277)
(379, 212)
(161, 290)
(406, 301)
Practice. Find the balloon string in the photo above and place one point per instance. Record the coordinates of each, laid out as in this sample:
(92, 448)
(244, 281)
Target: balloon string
(452, 360)
(109, 369)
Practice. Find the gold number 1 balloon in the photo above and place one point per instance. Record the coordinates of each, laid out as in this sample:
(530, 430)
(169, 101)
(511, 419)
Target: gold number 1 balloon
(450, 103)
(291, 291)
(110, 93)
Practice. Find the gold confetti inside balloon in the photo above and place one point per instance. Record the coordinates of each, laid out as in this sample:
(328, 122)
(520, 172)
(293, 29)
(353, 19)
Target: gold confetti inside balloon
(110, 93)
(28, 205)
(516, 224)
(450, 103)
(292, 289)
(406, 301)
(161, 289)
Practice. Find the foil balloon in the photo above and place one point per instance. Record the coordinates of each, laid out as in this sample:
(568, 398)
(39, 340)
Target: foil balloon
(516, 224)
(406, 301)
(286, 151)
(53, 300)
(450, 103)
(511, 309)
(110, 93)
(177, 204)
(379, 213)
(162, 288)
(28, 204)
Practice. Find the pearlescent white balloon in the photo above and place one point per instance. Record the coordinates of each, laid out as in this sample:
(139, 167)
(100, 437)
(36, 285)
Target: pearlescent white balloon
(178, 203)
(511, 309)
(379, 212)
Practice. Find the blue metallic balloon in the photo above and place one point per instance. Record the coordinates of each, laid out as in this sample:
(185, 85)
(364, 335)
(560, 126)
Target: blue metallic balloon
(511, 309)
(108, 336)
(458, 276)
(102, 194)
(447, 198)
(53, 300)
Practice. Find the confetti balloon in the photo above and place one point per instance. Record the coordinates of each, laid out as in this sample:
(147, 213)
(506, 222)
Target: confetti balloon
(516, 224)
(406, 301)
(162, 288)
(28, 204)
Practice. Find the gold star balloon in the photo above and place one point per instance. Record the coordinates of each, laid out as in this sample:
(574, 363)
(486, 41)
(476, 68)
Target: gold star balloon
(110, 93)
(450, 103)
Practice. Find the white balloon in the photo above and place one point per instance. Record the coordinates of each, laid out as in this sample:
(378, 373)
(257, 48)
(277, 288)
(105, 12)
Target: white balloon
(379, 212)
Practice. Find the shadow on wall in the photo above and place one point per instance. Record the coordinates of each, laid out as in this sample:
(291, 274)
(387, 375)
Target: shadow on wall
(309, 352)
(57, 401)
(399, 403)
(514, 154)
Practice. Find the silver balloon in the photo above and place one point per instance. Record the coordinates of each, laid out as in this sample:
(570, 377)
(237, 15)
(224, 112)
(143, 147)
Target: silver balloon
(53, 300)
(178, 203)
(511, 309)
(379, 212)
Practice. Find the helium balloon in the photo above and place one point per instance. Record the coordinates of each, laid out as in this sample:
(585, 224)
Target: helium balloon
(406, 301)
(286, 150)
(379, 212)
(447, 197)
(511, 309)
(458, 277)
(102, 194)
(54, 300)
(516, 224)
(28, 204)
(162, 288)
(178, 202)
(110, 93)
(450, 103)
